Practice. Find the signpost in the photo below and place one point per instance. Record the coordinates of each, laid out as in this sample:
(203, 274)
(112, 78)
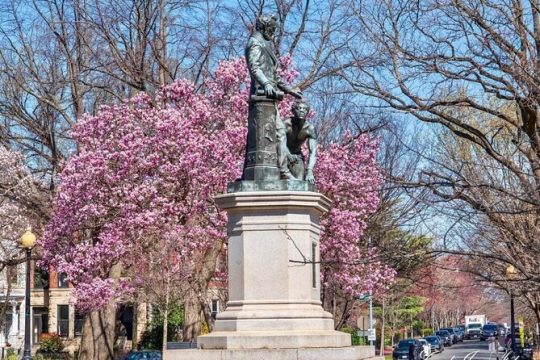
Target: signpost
(371, 335)
(521, 332)
(368, 298)
(362, 323)
(364, 328)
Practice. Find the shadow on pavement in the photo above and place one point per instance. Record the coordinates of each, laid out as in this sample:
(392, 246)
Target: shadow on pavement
(470, 345)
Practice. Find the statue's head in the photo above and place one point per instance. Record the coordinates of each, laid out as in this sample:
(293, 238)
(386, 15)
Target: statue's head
(300, 108)
(266, 25)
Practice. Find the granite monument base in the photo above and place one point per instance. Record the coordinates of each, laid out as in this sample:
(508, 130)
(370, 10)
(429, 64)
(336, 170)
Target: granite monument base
(274, 310)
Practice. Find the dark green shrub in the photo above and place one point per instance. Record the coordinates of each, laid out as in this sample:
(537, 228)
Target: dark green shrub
(152, 338)
(355, 339)
(51, 356)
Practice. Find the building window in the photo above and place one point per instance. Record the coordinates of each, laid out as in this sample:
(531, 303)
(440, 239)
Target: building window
(41, 278)
(215, 308)
(79, 321)
(8, 322)
(313, 265)
(63, 320)
(62, 280)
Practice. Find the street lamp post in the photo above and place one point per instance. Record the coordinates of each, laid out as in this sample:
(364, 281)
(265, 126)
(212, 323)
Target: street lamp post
(28, 240)
(512, 323)
(510, 273)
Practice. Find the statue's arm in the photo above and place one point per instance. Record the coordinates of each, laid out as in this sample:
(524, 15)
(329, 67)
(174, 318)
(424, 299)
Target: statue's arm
(283, 85)
(312, 147)
(287, 89)
(254, 60)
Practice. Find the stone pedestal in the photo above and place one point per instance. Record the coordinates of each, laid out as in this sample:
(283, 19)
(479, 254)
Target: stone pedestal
(274, 309)
(274, 287)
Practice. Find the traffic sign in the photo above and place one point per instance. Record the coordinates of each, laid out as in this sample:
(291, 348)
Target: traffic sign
(371, 335)
(362, 322)
(364, 297)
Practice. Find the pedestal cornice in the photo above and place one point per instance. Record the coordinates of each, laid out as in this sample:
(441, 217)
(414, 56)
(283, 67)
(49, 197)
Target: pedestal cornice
(273, 199)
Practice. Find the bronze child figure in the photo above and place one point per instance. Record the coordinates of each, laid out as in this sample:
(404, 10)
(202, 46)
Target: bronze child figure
(292, 134)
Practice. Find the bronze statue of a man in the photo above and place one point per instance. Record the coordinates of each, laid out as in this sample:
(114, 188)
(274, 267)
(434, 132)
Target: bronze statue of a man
(262, 61)
(267, 88)
(292, 134)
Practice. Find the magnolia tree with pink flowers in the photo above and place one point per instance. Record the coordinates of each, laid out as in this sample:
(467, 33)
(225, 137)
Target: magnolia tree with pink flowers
(347, 173)
(144, 179)
(145, 174)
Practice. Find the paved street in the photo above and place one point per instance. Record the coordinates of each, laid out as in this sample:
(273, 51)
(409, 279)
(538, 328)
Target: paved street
(468, 350)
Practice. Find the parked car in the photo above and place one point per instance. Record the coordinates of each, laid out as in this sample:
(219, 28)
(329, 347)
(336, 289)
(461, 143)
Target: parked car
(427, 348)
(445, 335)
(489, 330)
(403, 348)
(460, 334)
(453, 335)
(436, 343)
(144, 355)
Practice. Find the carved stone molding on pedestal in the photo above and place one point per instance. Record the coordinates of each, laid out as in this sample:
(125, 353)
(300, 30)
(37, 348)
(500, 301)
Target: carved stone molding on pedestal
(274, 310)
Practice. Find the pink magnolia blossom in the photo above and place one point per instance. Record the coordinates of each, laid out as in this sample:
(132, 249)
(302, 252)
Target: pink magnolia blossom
(347, 173)
(148, 170)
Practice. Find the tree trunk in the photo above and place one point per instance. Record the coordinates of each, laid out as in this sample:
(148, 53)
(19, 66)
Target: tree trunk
(98, 335)
(192, 316)
(196, 295)
(165, 318)
(134, 332)
(207, 314)
(161, 53)
(97, 342)
(165, 329)
(381, 352)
